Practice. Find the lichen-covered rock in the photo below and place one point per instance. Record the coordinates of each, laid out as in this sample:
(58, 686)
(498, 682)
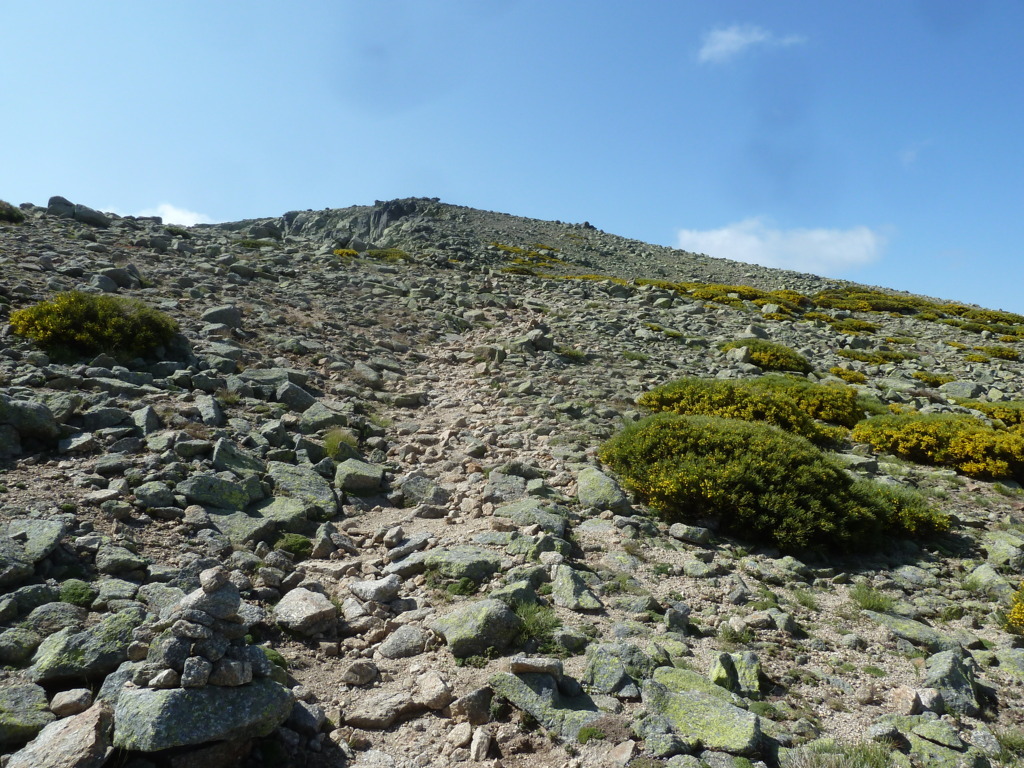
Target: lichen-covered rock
(617, 668)
(23, 712)
(739, 673)
(551, 517)
(596, 489)
(86, 655)
(213, 491)
(716, 724)
(915, 632)
(569, 590)
(149, 720)
(305, 484)
(538, 695)
(463, 562)
(358, 476)
(15, 565)
(953, 677)
(475, 628)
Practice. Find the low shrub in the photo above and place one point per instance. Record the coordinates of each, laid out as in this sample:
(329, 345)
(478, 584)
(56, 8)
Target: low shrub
(876, 356)
(932, 379)
(1011, 413)
(771, 356)
(1000, 352)
(759, 483)
(848, 375)
(959, 441)
(83, 323)
(10, 214)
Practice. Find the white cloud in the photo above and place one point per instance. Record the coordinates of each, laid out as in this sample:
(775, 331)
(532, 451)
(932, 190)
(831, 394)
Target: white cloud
(828, 252)
(172, 214)
(723, 44)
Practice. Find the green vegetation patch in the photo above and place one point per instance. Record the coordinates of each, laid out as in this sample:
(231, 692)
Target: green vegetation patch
(1011, 413)
(83, 323)
(962, 442)
(771, 356)
(296, 544)
(760, 482)
(10, 214)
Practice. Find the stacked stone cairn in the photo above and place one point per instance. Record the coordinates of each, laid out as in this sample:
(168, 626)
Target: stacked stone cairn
(199, 641)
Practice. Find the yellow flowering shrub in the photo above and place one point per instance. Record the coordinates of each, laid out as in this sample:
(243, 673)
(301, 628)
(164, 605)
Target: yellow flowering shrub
(945, 439)
(79, 323)
(848, 375)
(759, 483)
(771, 356)
(1015, 616)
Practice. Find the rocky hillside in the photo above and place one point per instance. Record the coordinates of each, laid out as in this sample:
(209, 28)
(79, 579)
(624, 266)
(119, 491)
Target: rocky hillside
(353, 514)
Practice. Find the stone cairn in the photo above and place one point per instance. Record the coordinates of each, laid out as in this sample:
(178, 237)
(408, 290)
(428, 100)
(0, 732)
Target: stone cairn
(199, 641)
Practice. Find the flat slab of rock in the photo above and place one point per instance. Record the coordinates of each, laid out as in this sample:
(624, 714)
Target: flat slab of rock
(358, 476)
(551, 517)
(915, 632)
(150, 719)
(303, 483)
(379, 710)
(86, 655)
(463, 562)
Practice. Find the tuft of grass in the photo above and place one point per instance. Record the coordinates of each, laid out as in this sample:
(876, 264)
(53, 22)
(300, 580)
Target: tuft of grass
(589, 732)
(639, 357)
(338, 437)
(806, 598)
(833, 755)
(539, 625)
(572, 354)
(870, 599)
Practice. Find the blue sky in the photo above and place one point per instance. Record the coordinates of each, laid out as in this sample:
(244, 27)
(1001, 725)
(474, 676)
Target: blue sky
(875, 141)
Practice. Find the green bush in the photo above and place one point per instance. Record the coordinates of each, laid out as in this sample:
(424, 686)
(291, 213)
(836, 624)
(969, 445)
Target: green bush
(771, 356)
(760, 483)
(10, 214)
(341, 443)
(950, 440)
(83, 323)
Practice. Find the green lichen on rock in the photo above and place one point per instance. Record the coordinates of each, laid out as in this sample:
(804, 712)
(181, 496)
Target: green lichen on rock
(23, 712)
(538, 695)
(479, 628)
(716, 724)
(87, 655)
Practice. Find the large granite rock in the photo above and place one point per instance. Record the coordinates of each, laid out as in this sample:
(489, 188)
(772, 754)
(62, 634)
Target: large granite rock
(149, 719)
(595, 489)
(80, 741)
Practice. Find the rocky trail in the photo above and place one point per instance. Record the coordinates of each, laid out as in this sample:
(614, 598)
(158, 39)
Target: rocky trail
(353, 515)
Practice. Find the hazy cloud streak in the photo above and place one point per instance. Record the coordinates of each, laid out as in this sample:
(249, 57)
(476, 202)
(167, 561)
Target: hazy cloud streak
(172, 214)
(726, 43)
(828, 252)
